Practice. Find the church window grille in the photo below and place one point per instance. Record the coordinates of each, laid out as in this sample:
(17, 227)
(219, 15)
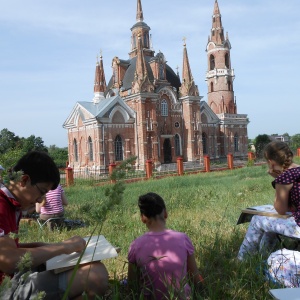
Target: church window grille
(118, 148)
(204, 143)
(91, 154)
(164, 108)
(177, 145)
(236, 143)
(75, 148)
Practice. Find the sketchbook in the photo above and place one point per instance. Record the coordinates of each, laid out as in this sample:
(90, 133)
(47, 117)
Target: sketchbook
(286, 294)
(98, 248)
(262, 210)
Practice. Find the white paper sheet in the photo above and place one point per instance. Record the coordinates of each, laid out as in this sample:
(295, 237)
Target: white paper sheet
(103, 250)
(286, 294)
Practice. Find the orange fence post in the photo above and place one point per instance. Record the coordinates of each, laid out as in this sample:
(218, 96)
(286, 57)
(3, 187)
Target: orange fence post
(180, 166)
(206, 163)
(111, 168)
(69, 176)
(298, 151)
(148, 168)
(251, 156)
(230, 161)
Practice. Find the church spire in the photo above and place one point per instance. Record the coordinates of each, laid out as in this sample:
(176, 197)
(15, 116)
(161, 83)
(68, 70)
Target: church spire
(220, 74)
(141, 82)
(188, 87)
(217, 31)
(139, 12)
(100, 83)
(140, 28)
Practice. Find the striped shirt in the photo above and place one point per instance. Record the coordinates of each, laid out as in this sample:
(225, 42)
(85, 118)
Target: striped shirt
(53, 204)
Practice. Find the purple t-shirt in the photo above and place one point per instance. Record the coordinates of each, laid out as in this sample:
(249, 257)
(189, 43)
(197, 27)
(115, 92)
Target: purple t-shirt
(162, 258)
(292, 176)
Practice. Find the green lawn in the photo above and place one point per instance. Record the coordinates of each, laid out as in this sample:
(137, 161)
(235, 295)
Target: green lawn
(206, 206)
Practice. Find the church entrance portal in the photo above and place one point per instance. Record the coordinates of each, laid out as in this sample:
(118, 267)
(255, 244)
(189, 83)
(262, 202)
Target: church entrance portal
(167, 151)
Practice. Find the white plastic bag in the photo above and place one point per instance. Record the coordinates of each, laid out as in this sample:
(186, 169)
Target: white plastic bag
(284, 267)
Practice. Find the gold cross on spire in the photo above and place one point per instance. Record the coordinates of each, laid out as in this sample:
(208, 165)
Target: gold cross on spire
(184, 41)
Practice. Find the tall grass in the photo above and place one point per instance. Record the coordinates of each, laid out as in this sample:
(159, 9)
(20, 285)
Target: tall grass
(206, 206)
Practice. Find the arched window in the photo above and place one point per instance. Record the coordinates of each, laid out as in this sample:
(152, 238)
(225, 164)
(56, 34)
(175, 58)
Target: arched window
(145, 41)
(236, 143)
(75, 149)
(204, 143)
(177, 145)
(211, 86)
(227, 60)
(91, 155)
(164, 108)
(212, 62)
(118, 148)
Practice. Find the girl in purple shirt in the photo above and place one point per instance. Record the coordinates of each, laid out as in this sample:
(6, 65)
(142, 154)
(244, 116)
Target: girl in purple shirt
(262, 231)
(161, 260)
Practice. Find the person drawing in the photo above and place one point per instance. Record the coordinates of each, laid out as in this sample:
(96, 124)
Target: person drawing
(31, 178)
(53, 206)
(262, 231)
(161, 260)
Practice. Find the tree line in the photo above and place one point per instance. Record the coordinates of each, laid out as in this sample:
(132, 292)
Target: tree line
(12, 147)
(262, 140)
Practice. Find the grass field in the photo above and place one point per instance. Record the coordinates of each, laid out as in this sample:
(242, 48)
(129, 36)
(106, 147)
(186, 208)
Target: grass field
(206, 206)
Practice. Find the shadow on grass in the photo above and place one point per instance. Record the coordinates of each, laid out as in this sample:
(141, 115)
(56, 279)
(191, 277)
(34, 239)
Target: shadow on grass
(228, 278)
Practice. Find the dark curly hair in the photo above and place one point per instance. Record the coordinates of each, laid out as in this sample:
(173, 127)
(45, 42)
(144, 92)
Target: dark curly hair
(151, 205)
(280, 153)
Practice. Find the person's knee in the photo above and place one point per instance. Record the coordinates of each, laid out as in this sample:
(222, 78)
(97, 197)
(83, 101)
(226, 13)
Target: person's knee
(98, 279)
(91, 279)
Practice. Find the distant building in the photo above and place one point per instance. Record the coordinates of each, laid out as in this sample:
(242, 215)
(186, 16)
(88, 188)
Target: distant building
(147, 110)
(282, 138)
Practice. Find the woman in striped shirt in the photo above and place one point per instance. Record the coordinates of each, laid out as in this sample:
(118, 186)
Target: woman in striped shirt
(53, 206)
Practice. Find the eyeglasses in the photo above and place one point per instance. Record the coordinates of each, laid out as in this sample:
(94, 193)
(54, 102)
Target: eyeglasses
(41, 192)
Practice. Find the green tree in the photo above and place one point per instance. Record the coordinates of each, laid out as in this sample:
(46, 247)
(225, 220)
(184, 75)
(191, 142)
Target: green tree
(59, 155)
(10, 158)
(8, 141)
(260, 142)
(33, 143)
(295, 142)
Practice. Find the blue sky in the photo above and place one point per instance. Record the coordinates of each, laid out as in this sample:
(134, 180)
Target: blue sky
(49, 48)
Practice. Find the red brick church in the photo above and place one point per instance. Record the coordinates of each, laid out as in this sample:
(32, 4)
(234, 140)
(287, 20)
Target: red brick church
(149, 111)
